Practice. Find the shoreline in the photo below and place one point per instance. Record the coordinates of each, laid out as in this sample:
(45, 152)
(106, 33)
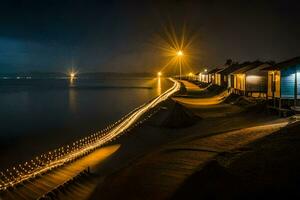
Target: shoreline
(131, 119)
(46, 120)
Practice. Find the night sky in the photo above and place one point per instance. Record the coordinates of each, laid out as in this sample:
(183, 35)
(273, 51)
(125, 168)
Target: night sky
(54, 35)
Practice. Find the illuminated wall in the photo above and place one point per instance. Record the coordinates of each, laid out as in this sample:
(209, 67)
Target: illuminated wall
(256, 83)
(287, 84)
(218, 79)
(239, 81)
(274, 83)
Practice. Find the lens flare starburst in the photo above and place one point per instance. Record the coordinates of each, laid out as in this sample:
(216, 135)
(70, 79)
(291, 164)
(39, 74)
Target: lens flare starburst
(178, 48)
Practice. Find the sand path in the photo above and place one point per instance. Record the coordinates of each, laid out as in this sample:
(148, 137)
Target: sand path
(223, 128)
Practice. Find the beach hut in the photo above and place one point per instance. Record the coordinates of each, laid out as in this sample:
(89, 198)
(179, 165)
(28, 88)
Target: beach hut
(197, 76)
(222, 77)
(212, 75)
(203, 77)
(284, 84)
(249, 79)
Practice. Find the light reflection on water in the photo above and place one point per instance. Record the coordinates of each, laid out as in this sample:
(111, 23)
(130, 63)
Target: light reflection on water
(39, 115)
(72, 96)
(159, 85)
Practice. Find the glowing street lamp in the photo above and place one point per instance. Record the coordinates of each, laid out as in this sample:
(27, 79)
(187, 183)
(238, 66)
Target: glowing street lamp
(159, 74)
(179, 53)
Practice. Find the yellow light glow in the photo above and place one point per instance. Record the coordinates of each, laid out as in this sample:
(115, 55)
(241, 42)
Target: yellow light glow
(72, 75)
(179, 53)
(205, 70)
(180, 49)
(159, 85)
(159, 74)
(190, 74)
(253, 79)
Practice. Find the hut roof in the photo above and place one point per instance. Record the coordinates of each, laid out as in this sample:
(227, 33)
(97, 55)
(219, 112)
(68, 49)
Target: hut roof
(233, 68)
(248, 67)
(215, 70)
(198, 73)
(264, 65)
(285, 64)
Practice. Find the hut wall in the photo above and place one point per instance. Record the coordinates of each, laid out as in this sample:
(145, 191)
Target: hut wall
(218, 79)
(274, 83)
(204, 78)
(239, 82)
(287, 84)
(213, 78)
(230, 81)
(256, 81)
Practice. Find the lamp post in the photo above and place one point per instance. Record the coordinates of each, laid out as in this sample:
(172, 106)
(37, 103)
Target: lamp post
(179, 54)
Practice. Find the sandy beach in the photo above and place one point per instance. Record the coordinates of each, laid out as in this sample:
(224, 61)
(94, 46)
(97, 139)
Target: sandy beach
(183, 144)
(165, 171)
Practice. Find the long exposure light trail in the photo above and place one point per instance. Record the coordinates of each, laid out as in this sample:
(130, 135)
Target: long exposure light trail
(88, 145)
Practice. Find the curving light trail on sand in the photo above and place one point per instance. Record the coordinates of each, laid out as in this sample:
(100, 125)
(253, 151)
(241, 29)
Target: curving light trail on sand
(111, 134)
(217, 99)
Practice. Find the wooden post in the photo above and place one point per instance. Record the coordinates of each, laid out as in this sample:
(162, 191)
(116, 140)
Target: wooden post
(245, 93)
(280, 103)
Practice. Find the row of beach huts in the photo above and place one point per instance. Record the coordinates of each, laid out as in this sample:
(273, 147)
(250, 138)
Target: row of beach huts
(278, 83)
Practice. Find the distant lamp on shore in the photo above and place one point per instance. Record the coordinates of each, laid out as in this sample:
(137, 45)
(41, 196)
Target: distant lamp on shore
(159, 74)
(72, 75)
